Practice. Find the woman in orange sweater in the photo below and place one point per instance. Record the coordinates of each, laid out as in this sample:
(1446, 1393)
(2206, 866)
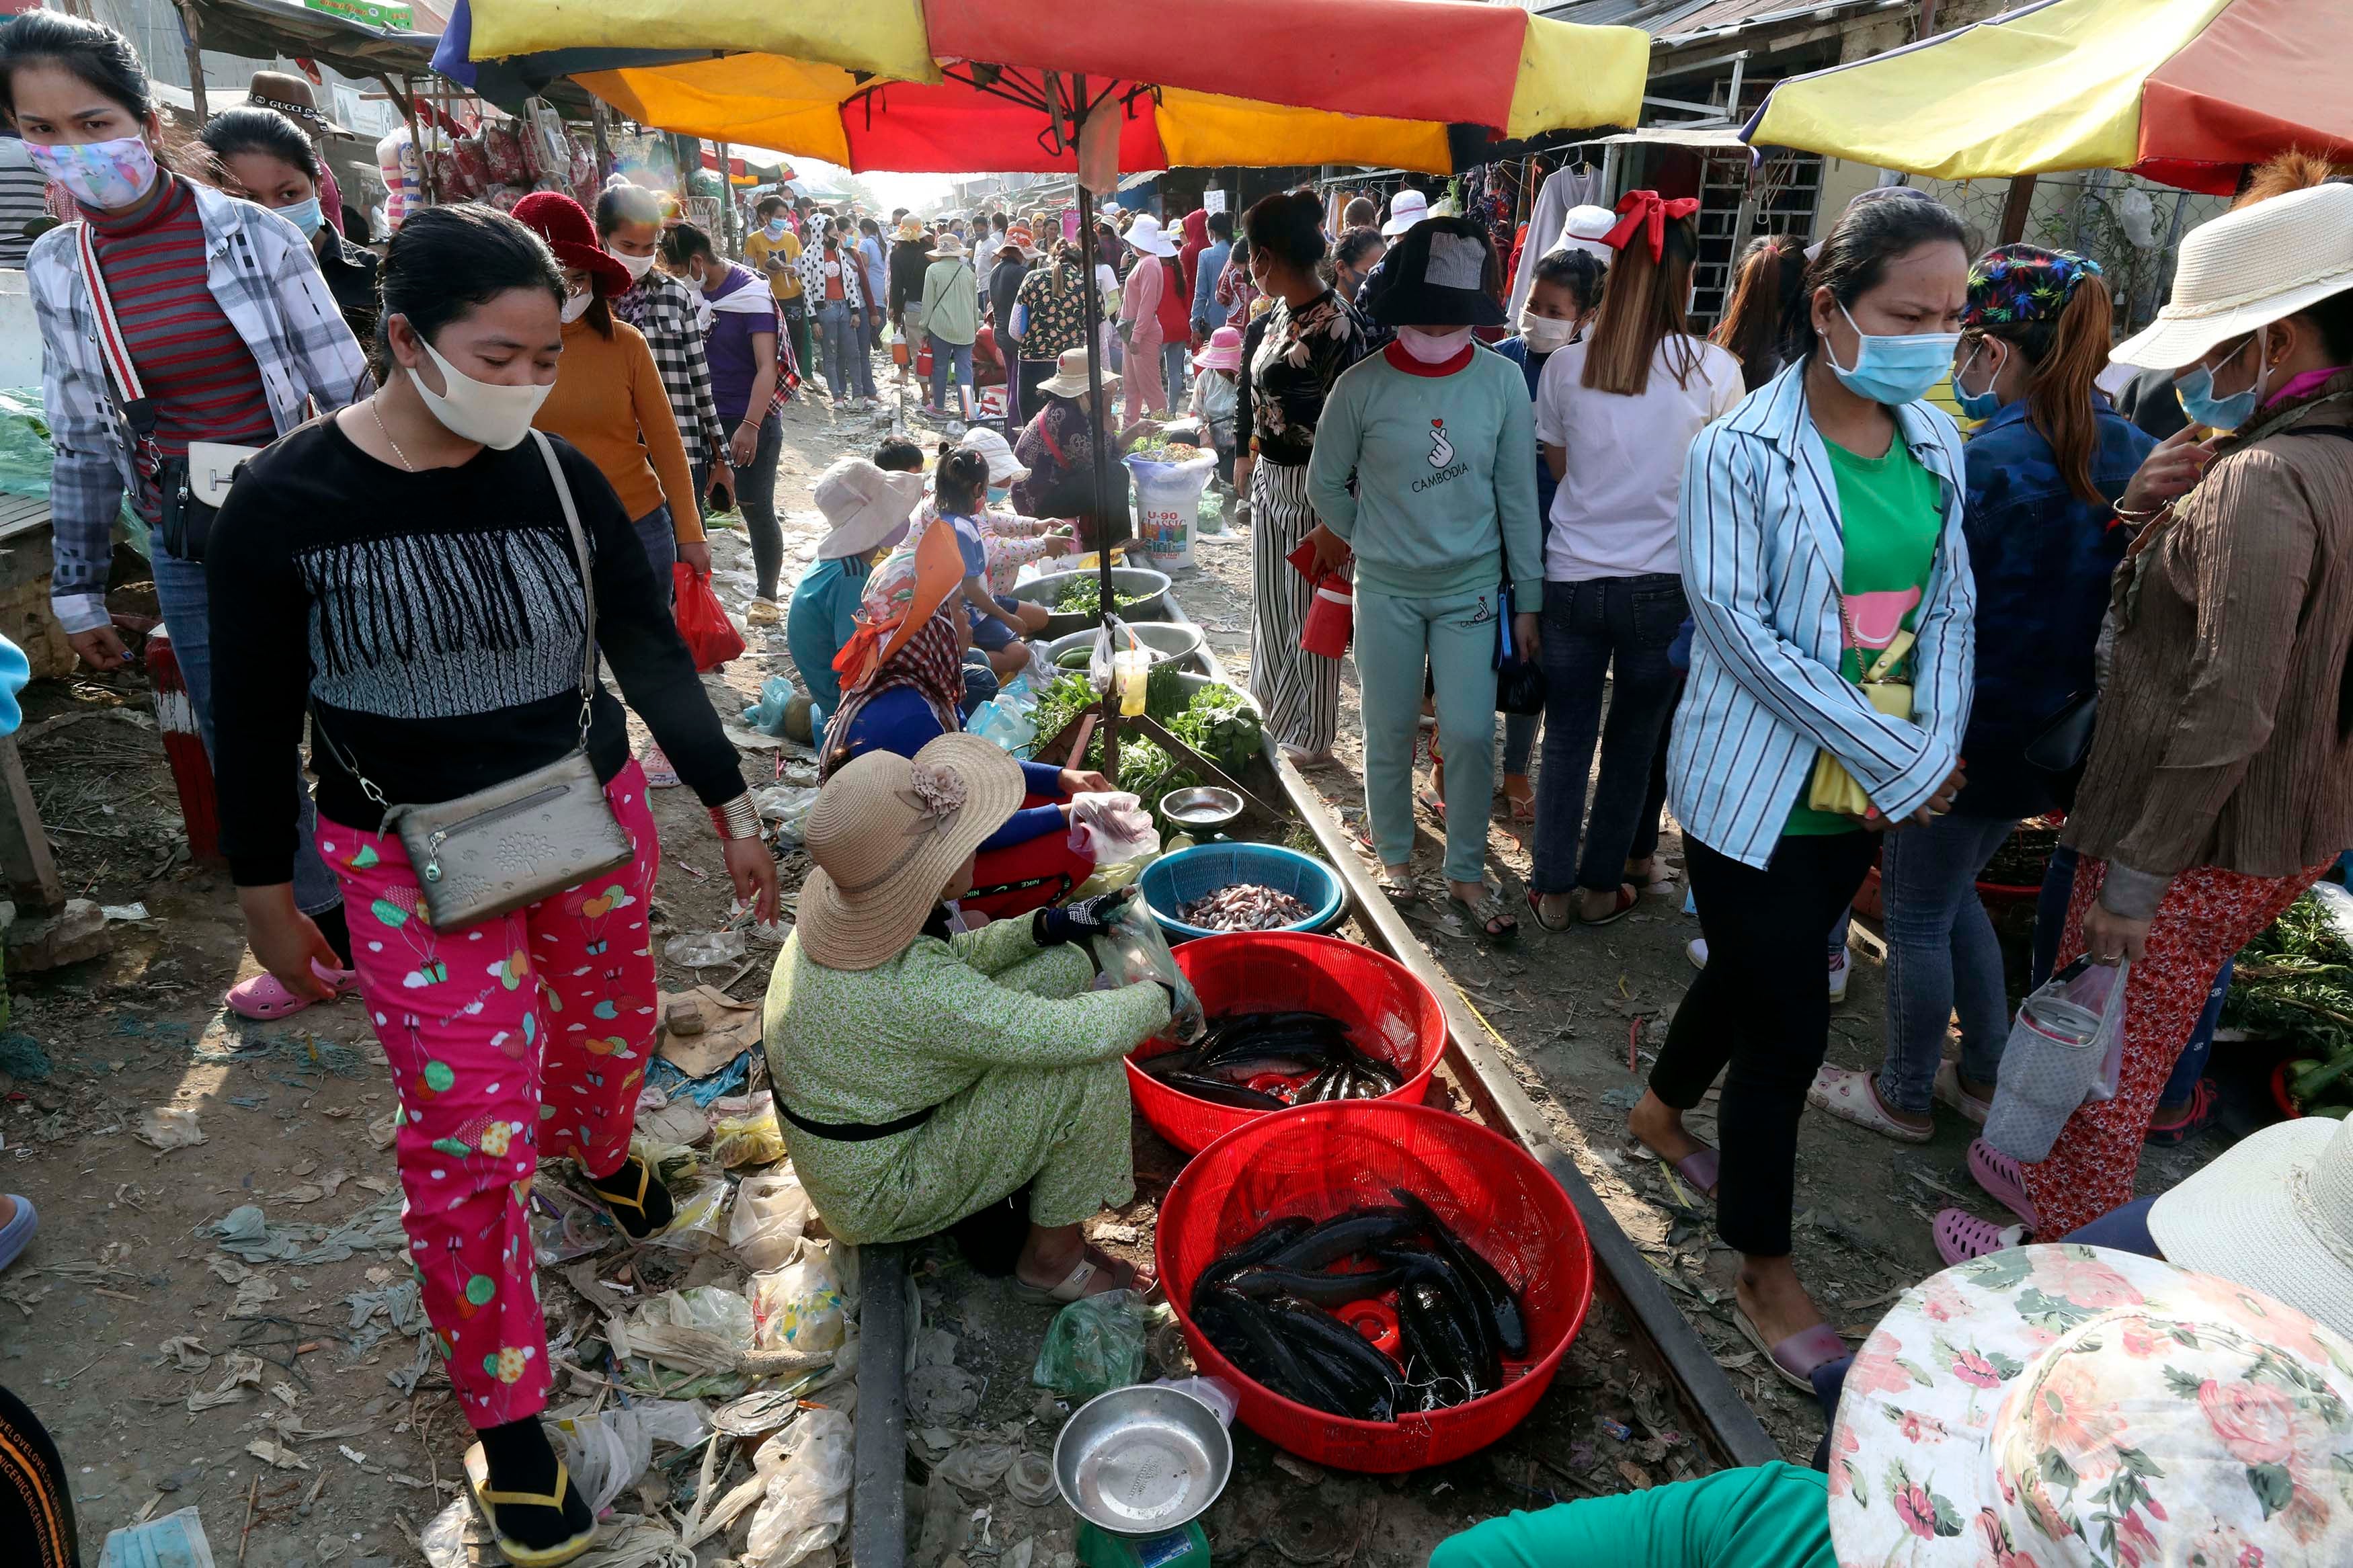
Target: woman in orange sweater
(609, 400)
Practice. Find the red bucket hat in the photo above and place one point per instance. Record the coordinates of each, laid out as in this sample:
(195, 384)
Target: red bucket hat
(564, 224)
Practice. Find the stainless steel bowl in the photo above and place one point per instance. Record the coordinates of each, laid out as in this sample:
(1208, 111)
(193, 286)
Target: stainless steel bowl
(1142, 1459)
(1205, 806)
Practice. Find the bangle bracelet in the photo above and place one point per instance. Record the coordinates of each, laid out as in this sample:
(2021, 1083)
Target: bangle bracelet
(738, 819)
(2125, 515)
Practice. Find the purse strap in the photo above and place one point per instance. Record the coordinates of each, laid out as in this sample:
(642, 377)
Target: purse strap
(131, 397)
(587, 583)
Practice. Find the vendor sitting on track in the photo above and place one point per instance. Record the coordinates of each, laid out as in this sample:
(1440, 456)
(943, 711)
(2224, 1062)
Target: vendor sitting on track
(924, 1077)
(902, 687)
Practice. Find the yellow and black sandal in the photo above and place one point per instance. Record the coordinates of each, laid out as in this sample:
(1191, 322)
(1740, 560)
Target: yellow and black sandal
(478, 1482)
(616, 1199)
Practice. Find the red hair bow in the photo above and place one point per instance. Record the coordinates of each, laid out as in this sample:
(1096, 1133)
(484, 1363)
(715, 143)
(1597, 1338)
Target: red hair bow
(1640, 209)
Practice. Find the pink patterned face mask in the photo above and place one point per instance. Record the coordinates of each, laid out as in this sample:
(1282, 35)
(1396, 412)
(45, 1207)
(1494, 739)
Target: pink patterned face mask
(100, 174)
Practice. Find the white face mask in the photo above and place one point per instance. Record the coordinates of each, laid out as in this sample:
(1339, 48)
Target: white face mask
(576, 306)
(1546, 334)
(497, 416)
(636, 266)
(1433, 348)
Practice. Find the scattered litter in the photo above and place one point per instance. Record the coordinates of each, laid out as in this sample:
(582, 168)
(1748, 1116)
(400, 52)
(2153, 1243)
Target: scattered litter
(1095, 1345)
(244, 1373)
(807, 1467)
(124, 912)
(175, 1541)
(772, 1210)
(325, 1186)
(277, 1456)
(977, 1466)
(1618, 1429)
(22, 1058)
(704, 1029)
(786, 806)
(801, 1306)
(247, 1233)
(187, 1352)
(756, 1414)
(704, 950)
(169, 1128)
(939, 1395)
(751, 740)
(606, 1451)
(1032, 1481)
(767, 715)
(730, 1079)
(252, 1295)
(751, 1137)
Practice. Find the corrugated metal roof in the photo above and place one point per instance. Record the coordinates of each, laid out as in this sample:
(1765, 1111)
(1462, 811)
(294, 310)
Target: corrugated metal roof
(1652, 15)
(1714, 13)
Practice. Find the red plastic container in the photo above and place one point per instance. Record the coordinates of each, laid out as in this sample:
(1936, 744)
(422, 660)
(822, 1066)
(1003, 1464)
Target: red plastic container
(1318, 1159)
(1389, 1013)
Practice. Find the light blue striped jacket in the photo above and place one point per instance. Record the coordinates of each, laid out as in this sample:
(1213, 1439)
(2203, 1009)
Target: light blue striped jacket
(1762, 557)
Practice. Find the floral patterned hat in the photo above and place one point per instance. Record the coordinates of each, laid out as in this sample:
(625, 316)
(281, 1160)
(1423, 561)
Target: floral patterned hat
(2070, 1407)
(2013, 284)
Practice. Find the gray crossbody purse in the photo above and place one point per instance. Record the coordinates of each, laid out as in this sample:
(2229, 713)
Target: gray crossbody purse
(491, 852)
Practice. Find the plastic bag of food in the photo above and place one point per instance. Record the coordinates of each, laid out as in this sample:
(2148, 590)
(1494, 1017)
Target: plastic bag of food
(806, 1467)
(771, 1213)
(1095, 1345)
(801, 1306)
(1134, 950)
(1111, 828)
(751, 1137)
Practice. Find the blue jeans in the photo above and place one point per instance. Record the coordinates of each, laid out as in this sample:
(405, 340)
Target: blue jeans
(181, 594)
(1520, 741)
(1942, 956)
(2051, 914)
(2123, 1229)
(659, 536)
(870, 339)
(1173, 357)
(840, 348)
(1615, 628)
(755, 498)
(946, 354)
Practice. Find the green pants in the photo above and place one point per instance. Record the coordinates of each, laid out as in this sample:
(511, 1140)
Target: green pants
(1455, 639)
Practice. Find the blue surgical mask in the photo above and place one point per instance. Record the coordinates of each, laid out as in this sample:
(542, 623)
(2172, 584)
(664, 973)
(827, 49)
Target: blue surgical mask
(776, 229)
(999, 492)
(1977, 404)
(303, 214)
(1895, 369)
(2196, 392)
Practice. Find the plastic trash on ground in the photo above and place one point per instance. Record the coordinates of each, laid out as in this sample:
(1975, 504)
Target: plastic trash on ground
(772, 1210)
(807, 1467)
(749, 1138)
(175, 1541)
(1095, 1345)
(767, 715)
(606, 1451)
(786, 806)
(1134, 950)
(705, 949)
(801, 1306)
(1215, 1392)
(699, 1218)
(169, 1127)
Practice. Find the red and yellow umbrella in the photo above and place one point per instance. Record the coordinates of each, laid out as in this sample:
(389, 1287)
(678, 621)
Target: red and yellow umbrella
(954, 85)
(2186, 92)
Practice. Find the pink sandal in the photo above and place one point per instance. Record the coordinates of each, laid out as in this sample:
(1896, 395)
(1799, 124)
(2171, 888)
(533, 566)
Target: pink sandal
(1961, 1235)
(1851, 1094)
(264, 996)
(1999, 1175)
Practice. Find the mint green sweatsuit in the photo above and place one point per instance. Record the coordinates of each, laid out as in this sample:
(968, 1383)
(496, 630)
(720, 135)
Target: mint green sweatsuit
(1442, 513)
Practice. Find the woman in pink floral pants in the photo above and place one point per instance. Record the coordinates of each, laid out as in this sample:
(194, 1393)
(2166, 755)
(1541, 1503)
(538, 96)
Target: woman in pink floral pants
(522, 1035)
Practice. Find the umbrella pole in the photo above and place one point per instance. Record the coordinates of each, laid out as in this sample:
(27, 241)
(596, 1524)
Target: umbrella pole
(1104, 434)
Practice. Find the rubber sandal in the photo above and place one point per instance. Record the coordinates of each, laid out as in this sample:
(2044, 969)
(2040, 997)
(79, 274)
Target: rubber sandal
(1073, 1284)
(645, 1184)
(1626, 899)
(1950, 1090)
(1961, 1235)
(17, 1234)
(1535, 908)
(1430, 801)
(1702, 1170)
(1999, 1175)
(477, 1482)
(1493, 921)
(1523, 806)
(262, 997)
(1852, 1095)
(1795, 1357)
(2205, 1100)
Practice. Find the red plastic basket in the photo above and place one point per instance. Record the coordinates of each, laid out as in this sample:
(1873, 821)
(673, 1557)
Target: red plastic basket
(1389, 1013)
(1318, 1159)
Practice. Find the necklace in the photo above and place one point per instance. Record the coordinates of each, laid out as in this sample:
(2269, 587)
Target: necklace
(377, 415)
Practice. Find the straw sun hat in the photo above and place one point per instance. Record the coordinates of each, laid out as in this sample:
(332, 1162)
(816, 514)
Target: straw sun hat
(887, 832)
(2276, 1212)
(2247, 270)
(1069, 377)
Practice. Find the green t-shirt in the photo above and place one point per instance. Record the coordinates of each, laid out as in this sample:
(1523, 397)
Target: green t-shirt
(1775, 1515)
(1890, 515)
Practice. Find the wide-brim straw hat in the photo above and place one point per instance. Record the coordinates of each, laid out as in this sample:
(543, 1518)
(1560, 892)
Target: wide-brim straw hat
(862, 504)
(1069, 377)
(2073, 1406)
(947, 247)
(2247, 270)
(2276, 1212)
(887, 832)
(909, 229)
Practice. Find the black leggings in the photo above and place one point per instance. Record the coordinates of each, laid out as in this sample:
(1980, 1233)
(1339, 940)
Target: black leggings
(1762, 1009)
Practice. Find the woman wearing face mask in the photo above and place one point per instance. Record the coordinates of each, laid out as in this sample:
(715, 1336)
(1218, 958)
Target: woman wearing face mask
(231, 351)
(1357, 253)
(1820, 533)
(1562, 297)
(2045, 467)
(1291, 356)
(270, 157)
(1420, 471)
(741, 344)
(1616, 413)
(663, 309)
(409, 571)
(2220, 780)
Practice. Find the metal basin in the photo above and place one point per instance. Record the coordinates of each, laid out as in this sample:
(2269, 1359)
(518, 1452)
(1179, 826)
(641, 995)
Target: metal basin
(1204, 807)
(1142, 1459)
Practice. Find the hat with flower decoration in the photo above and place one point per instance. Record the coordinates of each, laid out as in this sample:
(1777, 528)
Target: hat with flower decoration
(2067, 1407)
(2012, 285)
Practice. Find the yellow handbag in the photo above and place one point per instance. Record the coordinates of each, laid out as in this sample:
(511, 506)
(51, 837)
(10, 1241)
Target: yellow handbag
(1834, 789)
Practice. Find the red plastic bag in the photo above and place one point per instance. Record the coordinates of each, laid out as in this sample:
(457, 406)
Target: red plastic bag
(709, 636)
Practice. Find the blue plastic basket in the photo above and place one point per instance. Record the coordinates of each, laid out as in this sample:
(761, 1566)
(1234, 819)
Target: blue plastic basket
(1194, 873)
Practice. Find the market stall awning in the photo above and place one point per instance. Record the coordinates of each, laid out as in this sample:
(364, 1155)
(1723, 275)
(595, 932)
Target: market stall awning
(909, 84)
(356, 39)
(2186, 92)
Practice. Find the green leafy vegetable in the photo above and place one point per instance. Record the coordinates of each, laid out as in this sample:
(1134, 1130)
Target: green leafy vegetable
(2294, 982)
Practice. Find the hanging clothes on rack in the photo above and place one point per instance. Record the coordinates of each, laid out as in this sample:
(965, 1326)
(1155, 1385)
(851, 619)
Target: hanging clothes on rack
(1571, 186)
